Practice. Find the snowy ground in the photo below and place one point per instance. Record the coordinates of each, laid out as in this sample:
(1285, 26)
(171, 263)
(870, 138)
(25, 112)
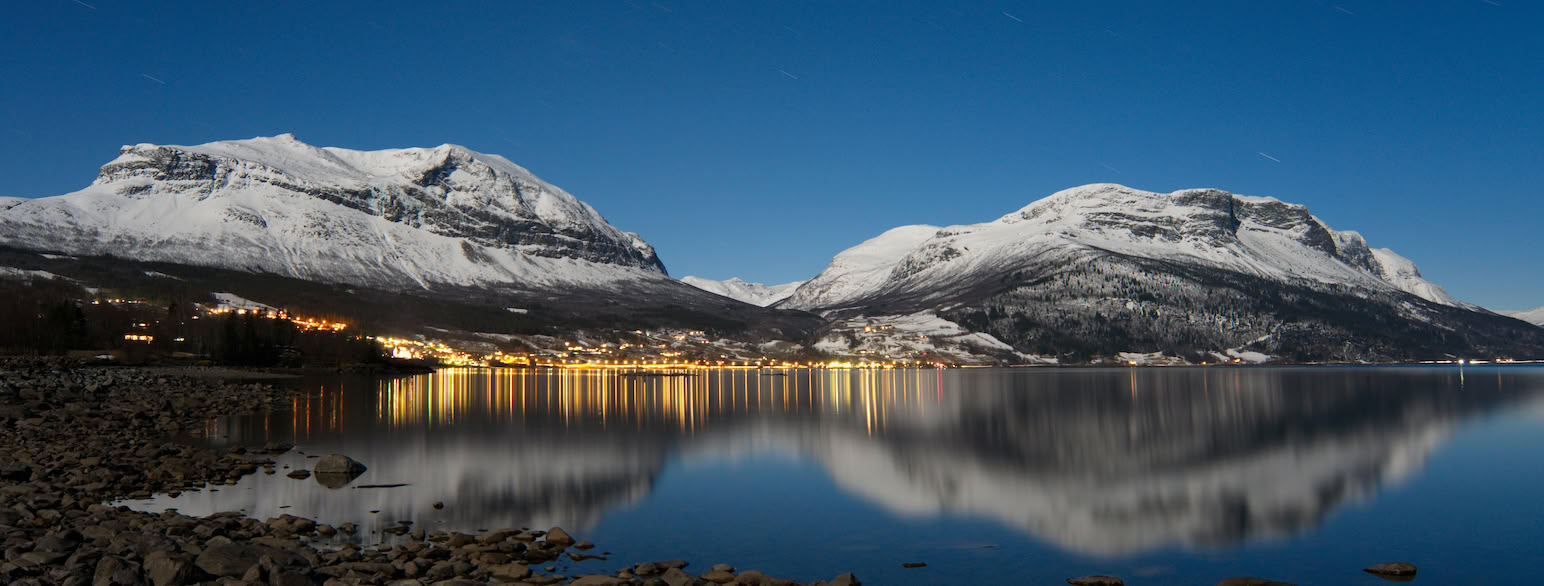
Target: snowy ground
(234, 301)
(918, 336)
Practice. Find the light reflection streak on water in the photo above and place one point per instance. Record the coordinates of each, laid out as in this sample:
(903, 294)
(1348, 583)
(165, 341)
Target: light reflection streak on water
(687, 399)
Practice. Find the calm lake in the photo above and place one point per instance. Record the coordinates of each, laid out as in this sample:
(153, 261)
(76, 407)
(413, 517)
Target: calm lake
(1025, 476)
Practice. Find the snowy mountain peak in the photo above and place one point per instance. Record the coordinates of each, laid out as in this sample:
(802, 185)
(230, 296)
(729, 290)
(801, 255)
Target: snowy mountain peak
(1402, 273)
(741, 290)
(416, 216)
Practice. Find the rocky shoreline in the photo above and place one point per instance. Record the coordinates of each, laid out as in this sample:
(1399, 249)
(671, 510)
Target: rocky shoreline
(76, 437)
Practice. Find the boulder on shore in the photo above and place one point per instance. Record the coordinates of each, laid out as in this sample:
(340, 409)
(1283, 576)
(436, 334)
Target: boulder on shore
(557, 536)
(233, 560)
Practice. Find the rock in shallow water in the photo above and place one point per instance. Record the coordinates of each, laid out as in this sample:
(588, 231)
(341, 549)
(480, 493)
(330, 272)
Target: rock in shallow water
(338, 464)
(1397, 571)
(1096, 581)
(336, 470)
(557, 536)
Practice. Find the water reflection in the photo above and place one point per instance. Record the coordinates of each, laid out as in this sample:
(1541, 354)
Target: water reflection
(1099, 461)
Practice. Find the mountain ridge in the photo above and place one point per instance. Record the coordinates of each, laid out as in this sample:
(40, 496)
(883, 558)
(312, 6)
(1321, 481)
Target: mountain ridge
(1200, 225)
(1105, 269)
(1533, 316)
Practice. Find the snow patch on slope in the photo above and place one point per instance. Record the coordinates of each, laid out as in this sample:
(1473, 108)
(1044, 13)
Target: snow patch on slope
(1402, 273)
(740, 290)
(234, 301)
(861, 268)
(14, 273)
(1532, 316)
(921, 335)
(10, 202)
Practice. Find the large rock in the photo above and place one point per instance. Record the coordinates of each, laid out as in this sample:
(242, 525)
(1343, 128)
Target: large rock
(235, 559)
(338, 464)
(676, 577)
(510, 572)
(557, 536)
(847, 579)
(115, 570)
(171, 569)
(336, 470)
(497, 536)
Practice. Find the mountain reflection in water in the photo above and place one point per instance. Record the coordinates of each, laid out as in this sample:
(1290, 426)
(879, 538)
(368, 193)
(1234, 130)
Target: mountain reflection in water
(1099, 461)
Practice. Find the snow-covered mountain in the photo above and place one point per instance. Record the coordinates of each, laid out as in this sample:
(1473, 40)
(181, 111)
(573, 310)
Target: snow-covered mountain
(442, 240)
(1108, 269)
(1251, 235)
(1533, 316)
(738, 289)
(396, 218)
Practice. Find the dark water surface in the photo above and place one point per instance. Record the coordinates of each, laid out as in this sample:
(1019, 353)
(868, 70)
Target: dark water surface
(1161, 476)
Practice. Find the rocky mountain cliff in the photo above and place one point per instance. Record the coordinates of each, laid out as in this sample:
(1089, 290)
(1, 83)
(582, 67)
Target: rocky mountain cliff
(1104, 269)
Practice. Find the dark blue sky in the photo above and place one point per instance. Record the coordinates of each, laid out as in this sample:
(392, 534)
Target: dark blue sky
(759, 138)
